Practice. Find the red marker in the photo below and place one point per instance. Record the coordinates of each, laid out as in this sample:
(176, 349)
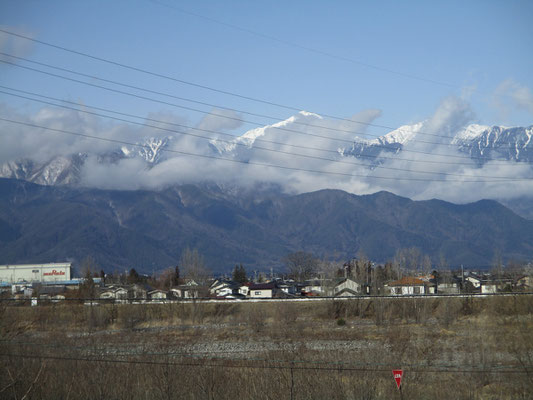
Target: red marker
(398, 373)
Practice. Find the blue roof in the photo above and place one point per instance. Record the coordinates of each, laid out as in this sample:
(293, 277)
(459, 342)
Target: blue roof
(75, 281)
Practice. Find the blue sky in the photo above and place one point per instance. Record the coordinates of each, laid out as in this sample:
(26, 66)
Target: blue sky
(447, 63)
(473, 45)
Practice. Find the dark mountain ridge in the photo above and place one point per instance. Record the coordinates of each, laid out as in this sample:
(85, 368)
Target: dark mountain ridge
(149, 229)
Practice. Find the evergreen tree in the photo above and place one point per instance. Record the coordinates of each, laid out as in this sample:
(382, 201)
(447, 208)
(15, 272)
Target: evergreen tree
(243, 276)
(177, 280)
(239, 274)
(133, 276)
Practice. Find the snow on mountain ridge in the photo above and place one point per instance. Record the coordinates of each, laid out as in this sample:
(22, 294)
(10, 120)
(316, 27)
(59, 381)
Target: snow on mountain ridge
(59, 170)
(496, 142)
(151, 150)
(249, 137)
(470, 132)
(402, 135)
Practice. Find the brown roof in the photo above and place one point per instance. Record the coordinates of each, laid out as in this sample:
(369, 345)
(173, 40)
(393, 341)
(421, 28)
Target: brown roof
(407, 281)
(262, 286)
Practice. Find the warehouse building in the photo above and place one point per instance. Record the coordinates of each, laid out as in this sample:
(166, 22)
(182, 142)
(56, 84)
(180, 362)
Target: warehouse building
(36, 273)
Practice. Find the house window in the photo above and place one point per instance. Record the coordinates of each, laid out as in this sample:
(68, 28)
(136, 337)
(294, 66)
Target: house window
(258, 293)
(417, 290)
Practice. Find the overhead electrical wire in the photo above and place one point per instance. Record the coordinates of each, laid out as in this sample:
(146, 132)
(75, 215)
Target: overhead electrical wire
(254, 163)
(235, 364)
(111, 349)
(218, 105)
(239, 143)
(306, 48)
(84, 105)
(244, 144)
(185, 82)
(388, 147)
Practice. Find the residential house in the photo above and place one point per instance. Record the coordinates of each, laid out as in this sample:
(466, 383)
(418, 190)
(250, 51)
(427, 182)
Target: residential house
(449, 287)
(221, 288)
(114, 293)
(523, 283)
(216, 284)
(262, 290)
(121, 293)
(489, 287)
(474, 280)
(157, 295)
(185, 292)
(406, 286)
(430, 283)
(347, 288)
(189, 290)
(107, 293)
(244, 289)
(51, 292)
(314, 287)
(139, 291)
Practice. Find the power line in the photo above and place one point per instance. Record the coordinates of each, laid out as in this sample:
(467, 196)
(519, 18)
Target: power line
(254, 163)
(218, 132)
(166, 102)
(307, 48)
(118, 64)
(229, 108)
(503, 162)
(207, 355)
(233, 364)
(182, 81)
(241, 120)
(223, 107)
(244, 144)
(223, 133)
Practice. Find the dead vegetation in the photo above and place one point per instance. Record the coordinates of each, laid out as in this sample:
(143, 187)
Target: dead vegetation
(472, 348)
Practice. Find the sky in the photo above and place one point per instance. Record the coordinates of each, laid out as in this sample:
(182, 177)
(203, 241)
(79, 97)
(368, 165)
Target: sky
(387, 63)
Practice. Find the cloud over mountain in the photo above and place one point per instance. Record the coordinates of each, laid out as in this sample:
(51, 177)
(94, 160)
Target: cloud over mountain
(434, 158)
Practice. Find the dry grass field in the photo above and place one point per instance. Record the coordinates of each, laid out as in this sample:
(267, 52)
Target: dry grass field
(449, 348)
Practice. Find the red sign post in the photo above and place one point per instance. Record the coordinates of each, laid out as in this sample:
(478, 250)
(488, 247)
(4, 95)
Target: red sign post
(398, 373)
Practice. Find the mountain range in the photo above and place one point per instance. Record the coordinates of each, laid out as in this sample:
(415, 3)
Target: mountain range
(256, 227)
(481, 144)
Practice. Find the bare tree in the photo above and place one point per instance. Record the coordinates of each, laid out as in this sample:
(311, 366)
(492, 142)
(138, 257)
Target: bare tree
(400, 262)
(301, 265)
(194, 267)
(330, 271)
(88, 288)
(443, 263)
(167, 278)
(414, 257)
(426, 264)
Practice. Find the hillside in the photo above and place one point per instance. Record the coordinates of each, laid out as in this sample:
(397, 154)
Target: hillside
(149, 229)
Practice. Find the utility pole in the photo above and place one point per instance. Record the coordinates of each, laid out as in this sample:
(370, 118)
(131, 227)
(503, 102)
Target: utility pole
(462, 278)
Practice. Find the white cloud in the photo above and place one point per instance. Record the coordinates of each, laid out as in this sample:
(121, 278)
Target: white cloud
(511, 95)
(16, 46)
(418, 155)
(220, 119)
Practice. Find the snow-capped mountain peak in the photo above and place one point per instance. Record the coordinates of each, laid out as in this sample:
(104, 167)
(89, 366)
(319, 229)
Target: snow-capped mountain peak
(402, 135)
(470, 132)
(249, 137)
(484, 143)
(151, 150)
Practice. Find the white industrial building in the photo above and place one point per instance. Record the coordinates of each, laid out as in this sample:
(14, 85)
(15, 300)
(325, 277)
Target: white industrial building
(45, 273)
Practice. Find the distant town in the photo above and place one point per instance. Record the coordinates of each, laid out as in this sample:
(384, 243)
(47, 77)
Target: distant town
(355, 278)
